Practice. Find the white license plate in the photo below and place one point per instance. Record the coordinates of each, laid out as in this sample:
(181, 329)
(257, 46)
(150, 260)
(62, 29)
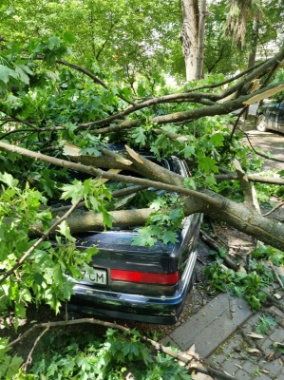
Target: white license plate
(99, 276)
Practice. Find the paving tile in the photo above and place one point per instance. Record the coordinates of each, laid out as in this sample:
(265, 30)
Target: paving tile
(219, 359)
(273, 367)
(263, 376)
(231, 366)
(242, 375)
(167, 341)
(254, 319)
(212, 331)
(212, 325)
(266, 344)
(277, 335)
(251, 368)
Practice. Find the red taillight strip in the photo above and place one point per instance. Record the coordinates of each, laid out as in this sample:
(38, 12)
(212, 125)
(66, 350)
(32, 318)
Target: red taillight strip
(144, 277)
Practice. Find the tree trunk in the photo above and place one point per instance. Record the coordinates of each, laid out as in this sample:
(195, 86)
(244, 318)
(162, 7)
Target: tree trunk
(237, 215)
(189, 36)
(254, 42)
(201, 31)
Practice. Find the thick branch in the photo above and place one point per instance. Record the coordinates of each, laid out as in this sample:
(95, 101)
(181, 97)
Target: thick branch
(185, 116)
(217, 109)
(248, 189)
(173, 98)
(251, 178)
(259, 71)
(100, 173)
(237, 215)
(256, 72)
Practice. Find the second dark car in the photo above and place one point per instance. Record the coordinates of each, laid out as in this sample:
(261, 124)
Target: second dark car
(270, 116)
(142, 283)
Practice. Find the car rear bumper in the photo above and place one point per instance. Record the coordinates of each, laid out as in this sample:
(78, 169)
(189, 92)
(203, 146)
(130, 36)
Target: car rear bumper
(114, 305)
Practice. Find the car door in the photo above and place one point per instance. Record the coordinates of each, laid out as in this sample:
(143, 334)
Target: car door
(271, 115)
(279, 121)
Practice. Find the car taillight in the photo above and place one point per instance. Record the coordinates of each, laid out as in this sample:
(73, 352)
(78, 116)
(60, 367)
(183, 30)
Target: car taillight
(145, 277)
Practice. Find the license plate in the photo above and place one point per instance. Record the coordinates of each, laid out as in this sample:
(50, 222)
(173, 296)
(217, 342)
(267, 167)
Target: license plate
(99, 276)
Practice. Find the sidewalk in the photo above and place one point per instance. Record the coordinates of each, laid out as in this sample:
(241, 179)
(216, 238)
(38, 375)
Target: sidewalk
(215, 331)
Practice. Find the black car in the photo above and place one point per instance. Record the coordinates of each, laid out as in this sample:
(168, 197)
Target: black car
(142, 283)
(271, 116)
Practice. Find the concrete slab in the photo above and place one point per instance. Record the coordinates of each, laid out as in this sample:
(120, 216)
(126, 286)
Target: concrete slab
(211, 326)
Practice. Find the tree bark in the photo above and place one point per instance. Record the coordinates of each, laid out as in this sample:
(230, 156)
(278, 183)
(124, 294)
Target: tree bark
(254, 42)
(201, 31)
(237, 215)
(189, 36)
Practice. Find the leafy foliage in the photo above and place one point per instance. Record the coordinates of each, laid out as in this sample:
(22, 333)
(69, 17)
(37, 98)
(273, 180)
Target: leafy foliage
(264, 324)
(239, 284)
(248, 284)
(265, 252)
(163, 224)
(88, 357)
(42, 276)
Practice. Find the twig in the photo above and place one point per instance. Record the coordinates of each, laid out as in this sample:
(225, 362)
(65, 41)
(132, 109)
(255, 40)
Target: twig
(68, 323)
(208, 240)
(259, 153)
(29, 358)
(276, 276)
(250, 341)
(273, 301)
(90, 75)
(274, 209)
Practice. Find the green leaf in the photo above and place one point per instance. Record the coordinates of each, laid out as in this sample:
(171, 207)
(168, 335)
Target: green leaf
(92, 151)
(158, 203)
(190, 183)
(207, 164)
(22, 72)
(176, 216)
(189, 151)
(139, 136)
(277, 258)
(53, 42)
(74, 191)
(52, 369)
(169, 237)
(64, 230)
(6, 73)
(222, 252)
(83, 363)
(10, 367)
(126, 349)
(68, 37)
(8, 180)
(58, 275)
(143, 238)
(107, 219)
(217, 139)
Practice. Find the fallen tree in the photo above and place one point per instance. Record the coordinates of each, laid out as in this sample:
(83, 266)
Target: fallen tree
(244, 217)
(206, 101)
